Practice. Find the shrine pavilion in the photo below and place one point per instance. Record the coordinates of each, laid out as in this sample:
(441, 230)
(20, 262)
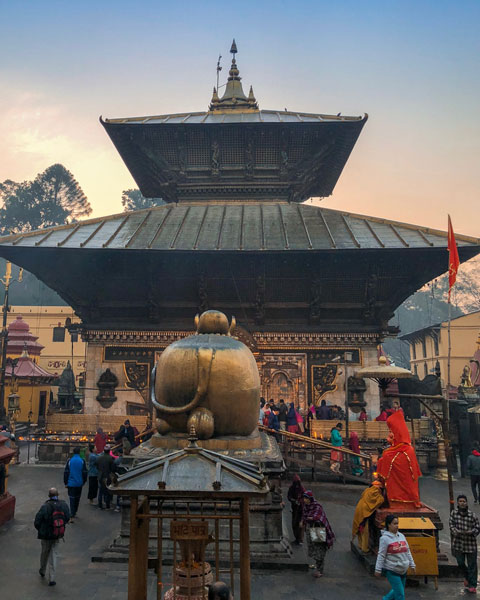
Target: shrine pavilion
(305, 283)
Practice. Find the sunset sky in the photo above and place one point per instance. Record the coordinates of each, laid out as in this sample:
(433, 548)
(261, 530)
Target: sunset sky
(414, 67)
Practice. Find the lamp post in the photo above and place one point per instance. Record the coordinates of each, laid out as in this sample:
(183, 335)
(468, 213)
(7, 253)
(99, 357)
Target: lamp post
(7, 281)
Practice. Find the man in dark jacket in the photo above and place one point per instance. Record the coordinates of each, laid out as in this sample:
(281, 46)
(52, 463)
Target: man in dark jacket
(105, 466)
(323, 413)
(74, 478)
(48, 523)
(126, 433)
(473, 469)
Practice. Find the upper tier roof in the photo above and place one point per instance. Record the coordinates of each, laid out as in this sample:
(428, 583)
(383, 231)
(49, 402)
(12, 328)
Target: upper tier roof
(241, 227)
(235, 151)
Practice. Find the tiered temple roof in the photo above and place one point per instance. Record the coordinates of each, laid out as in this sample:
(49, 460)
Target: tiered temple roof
(235, 235)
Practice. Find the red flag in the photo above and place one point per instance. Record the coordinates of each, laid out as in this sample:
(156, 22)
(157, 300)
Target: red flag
(453, 260)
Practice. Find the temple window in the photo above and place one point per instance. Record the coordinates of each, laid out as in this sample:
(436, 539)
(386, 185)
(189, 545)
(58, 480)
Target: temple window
(59, 333)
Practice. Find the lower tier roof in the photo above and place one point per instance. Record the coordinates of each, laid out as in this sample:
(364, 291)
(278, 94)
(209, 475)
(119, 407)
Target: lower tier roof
(248, 227)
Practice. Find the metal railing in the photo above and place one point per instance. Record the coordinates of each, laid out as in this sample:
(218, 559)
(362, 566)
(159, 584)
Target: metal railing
(305, 452)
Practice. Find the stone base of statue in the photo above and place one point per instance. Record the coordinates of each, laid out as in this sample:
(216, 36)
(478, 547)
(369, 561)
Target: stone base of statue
(268, 538)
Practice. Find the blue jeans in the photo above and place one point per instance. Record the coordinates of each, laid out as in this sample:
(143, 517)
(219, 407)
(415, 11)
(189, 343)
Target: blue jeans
(397, 583)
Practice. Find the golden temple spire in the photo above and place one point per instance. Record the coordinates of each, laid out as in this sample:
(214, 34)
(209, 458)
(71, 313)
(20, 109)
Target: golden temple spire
(234, 98)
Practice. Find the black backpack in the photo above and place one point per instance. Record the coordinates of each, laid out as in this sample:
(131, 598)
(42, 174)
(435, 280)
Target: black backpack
(57, 521)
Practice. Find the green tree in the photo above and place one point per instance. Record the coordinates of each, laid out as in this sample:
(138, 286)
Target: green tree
(133, 200)
(54, 197)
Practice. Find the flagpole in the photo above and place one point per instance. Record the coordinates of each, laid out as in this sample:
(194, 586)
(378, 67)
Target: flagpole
(453, 264)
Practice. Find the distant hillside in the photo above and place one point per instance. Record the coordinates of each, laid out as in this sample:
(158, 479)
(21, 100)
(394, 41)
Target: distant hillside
(31, 291)
(429, 306)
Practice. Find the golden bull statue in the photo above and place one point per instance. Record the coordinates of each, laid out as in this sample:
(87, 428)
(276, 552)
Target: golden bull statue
(209, 380)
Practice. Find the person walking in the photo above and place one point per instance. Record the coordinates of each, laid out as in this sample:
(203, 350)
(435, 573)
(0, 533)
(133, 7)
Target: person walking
(363, 416)
(320, 536)
(273, 421)
(261, 412)
(292, 420)
(473, 470)
(282, 415)
(92, 475)
(300, 421)
(74, 477)
(295, 497)
(100, 440)
(336, 457)
(393, 559)
(464, 529)
(50, 522)
(354, 445)
(106, 467)
(323, 413)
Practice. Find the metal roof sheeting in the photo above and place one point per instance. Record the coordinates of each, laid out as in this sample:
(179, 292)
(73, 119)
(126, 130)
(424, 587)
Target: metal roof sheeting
(254, 226)
(261, 116)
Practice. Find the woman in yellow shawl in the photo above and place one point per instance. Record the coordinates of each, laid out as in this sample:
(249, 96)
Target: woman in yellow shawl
(371, 499)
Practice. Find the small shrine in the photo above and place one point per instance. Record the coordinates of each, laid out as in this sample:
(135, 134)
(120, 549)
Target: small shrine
(199, 500)
(27, 384)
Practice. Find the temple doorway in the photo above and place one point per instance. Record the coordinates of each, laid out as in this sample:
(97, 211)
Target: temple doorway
(282, 388)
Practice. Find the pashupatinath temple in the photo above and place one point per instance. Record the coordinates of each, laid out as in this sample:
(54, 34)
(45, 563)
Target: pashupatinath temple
(305, 283)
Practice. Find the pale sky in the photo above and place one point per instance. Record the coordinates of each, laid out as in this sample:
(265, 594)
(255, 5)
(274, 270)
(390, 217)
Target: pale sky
(413, 66)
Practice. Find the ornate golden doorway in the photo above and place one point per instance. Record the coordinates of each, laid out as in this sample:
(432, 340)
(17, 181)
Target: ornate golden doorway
(282, 388)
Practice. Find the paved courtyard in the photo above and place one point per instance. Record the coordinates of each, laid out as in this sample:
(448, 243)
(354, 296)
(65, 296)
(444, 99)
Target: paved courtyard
(79, 579)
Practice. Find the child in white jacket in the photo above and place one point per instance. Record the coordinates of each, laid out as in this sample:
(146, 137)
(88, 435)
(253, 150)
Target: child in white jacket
(394, 558)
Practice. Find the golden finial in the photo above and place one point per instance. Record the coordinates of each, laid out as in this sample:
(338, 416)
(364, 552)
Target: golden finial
(233, 98)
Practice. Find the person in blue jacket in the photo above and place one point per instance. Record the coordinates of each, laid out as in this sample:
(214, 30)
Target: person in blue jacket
(74, 478)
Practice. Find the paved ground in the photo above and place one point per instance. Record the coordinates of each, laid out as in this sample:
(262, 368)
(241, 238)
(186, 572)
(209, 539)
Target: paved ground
(79, 579)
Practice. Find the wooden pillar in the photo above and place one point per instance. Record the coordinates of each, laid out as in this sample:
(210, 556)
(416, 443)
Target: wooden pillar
(138, 551)
(244, 551)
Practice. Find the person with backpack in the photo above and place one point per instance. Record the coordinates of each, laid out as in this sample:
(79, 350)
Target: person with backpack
(74, 478)
(50, 522)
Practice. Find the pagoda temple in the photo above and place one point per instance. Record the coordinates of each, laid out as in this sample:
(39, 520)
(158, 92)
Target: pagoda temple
(27, 382)
(306, 284)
